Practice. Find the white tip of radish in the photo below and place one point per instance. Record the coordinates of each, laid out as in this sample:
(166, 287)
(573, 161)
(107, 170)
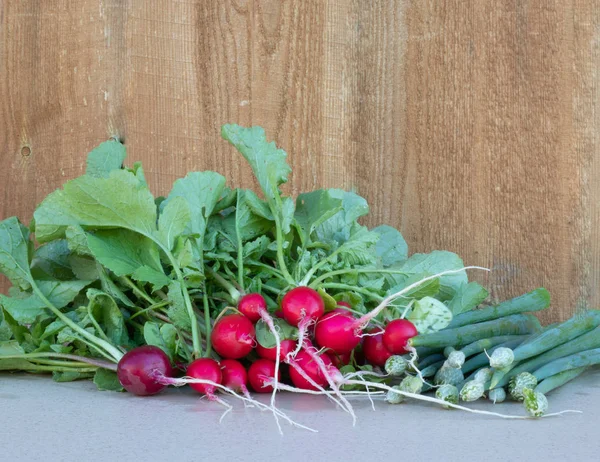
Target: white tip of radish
(472, 391)
(501, 358)
(448, 393)
(456, 359)
(497, 395)
(393, 397)
(483, 375)
(535, 403)
(518, 384)
(396, 365)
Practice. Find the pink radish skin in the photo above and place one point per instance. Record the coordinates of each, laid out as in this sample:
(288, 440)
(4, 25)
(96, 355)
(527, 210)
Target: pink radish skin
(300, 303)
(285, 347)
(344, 304)
(233, 336)
(138, 369)
(250, 306)
(397, 333)
(260, 372)
(374, 349)
(311, 369)
(205, 369)
(234, 375)
(337, 332)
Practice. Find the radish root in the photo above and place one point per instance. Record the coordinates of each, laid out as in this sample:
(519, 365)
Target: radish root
(448, 404)
(228, 407)
(179, 382)
(332, 383)
(266, 317)
(306, 377)
(303, 326)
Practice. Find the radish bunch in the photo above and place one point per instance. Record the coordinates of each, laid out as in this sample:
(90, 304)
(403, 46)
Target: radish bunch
(233, 292)
(318, 336)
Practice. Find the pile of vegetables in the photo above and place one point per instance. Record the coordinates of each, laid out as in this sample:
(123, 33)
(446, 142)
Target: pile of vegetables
(232, 293)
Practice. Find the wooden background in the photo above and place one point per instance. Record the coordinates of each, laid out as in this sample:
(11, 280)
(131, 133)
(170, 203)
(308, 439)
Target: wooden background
(472, 126)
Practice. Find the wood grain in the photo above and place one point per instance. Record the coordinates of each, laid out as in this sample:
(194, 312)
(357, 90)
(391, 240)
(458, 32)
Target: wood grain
(471, 126)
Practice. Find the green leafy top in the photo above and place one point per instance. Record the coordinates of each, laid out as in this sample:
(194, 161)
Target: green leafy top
(14, 252)
(201, 191)
(119, 201)
(267, 161)
(108, 156)
(118, 267)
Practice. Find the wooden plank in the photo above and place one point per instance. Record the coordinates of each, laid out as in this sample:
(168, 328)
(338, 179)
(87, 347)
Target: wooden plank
(585, 48)
(59, 93)
(472, 126)
(490, 122)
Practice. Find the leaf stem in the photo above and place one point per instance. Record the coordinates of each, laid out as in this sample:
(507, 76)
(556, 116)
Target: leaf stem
(208, 326)
(317, 245)
(100, 343)
(275, 290)
(95, 323)
(82, 359)
(162, 295)
(274, 271)
(233, 278)
(196, 340)
(150, 308)
(54, 362)
(139, 292)
(96, 348)
(240, 250)
(314, 269)
(40, 368)
(331, 274)
(335, 285)
(233, 292)
(280, 260)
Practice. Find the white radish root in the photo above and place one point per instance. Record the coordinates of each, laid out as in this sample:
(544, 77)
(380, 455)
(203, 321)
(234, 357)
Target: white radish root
(268, 320)
(326, 371)
(306, 377)
(382, 386)
(179, 382)
(303, 326)
(312, 352)
(420, 398)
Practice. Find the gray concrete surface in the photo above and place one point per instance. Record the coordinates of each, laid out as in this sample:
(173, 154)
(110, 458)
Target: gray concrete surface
(43, 420)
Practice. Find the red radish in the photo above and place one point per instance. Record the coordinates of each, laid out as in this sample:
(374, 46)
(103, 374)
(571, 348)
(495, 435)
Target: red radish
(285, 347)
(339, 360)
(138, 370)
(337, 332)
(373, 348)
(397, 333)
(233, 336)
(279, 314)
(346, 304)
(302, 303)
(234, 374)
(205, 369)
(250, 306)
(261, 371)
(310, 367)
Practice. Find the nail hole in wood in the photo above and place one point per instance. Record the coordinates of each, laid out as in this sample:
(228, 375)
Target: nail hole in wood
(25, 151)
